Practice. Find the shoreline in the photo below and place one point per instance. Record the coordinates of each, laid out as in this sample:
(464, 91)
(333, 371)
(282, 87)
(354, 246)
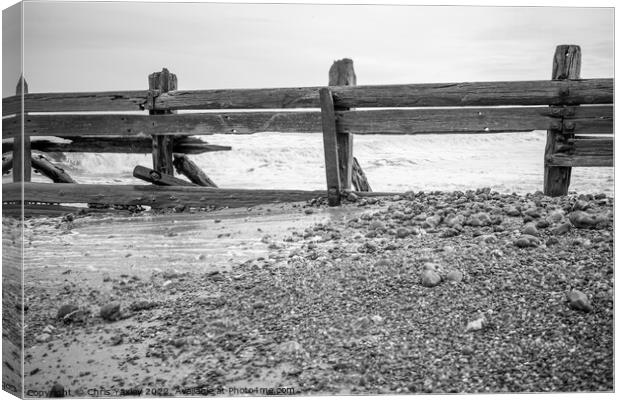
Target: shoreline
(326, 300)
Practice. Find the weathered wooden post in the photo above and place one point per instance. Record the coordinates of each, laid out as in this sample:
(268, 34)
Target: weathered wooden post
(162, 82)
(22, 155)
(566, 65)
(341, 73)
(330, 147)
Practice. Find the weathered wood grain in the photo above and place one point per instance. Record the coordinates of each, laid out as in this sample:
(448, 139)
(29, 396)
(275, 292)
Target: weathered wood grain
(360, 182)
(162, 82)
(127, 100)
(176, 124)
(330, 148)
(47, 168)
(342, 73)
(158, 178)
(446, 120)
(188, 168)
(588, 119)
(158, 196)
(95, 144)
(566, 65)
(595, 146)
(576, 160)
(591, 91)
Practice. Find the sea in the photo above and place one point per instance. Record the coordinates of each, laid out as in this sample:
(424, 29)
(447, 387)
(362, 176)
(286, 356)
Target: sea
(505, 162)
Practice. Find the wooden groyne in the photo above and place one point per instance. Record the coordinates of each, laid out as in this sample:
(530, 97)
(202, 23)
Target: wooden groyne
(575, 112)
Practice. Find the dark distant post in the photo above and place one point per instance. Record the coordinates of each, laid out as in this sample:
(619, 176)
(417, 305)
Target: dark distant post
(341, 73)
(566, 65)
(162, 82)
(332, 170)
(22, 154)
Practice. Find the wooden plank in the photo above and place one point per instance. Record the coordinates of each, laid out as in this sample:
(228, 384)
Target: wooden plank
(176, 124)
(566, 65)
(590, 91)
(188, 168)
(575, 160)
(526, 93)
(54, 210)
(128, 100)
(118, 144)
(330, 147)
(158, 178)
(592, 147)
(588, 119)
(158, 196)
(162, 82)
(446, 120)
(22, 154)
(48, 169)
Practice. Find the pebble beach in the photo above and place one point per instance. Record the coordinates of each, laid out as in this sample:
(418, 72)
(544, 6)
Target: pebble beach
(437, 292)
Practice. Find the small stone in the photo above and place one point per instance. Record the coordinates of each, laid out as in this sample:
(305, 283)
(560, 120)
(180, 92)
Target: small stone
(556, 216)
(352, 197)
(526, 241)
(454, 276)
(450, 232)
(309, 211)
(476, 325)
(581, 205)
(530, 229)
(290, 347)
(552, 241)
(583, 220)
(116, 340)
(562, 229)
(579, 301)
(429, 266)
(479, 219)
(532, 212)
(430, 278)
(377, 319)
(42, 338)
(111, 311)
(467, 350)
(376, 225)
(542, 224)
(512, 211)
(402, 233)
(65, 310)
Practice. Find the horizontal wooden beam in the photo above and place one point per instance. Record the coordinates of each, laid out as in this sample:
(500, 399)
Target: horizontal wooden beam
(453, 120)
(589, 119)
(158, 178)
(169, 124)
(94, 144)
(157, 196)
(592, 146)
(576, 160)
(131, 100)
(54, 210)
(528, 93)
(587, 91)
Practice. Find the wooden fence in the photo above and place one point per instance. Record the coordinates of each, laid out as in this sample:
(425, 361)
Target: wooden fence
(570, 109)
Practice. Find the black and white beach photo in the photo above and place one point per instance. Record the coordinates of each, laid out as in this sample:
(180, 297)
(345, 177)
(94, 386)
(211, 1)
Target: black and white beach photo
(256, 199)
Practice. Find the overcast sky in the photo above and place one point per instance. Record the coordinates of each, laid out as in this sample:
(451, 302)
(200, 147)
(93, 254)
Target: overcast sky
(114, 46)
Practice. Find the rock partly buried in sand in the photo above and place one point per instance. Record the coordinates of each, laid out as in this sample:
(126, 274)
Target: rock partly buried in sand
(542, 224)
(454, 276)
(556, 216)
(583, 220)
(376, 226)
(581, 205)
(479, 219)
(530, 229)
(527, 241)
(578, 301)
(111, 311)
(65, 310)
(552, 241)
(513, 211)
(352, 197)
(42, 338)
(430, 278)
